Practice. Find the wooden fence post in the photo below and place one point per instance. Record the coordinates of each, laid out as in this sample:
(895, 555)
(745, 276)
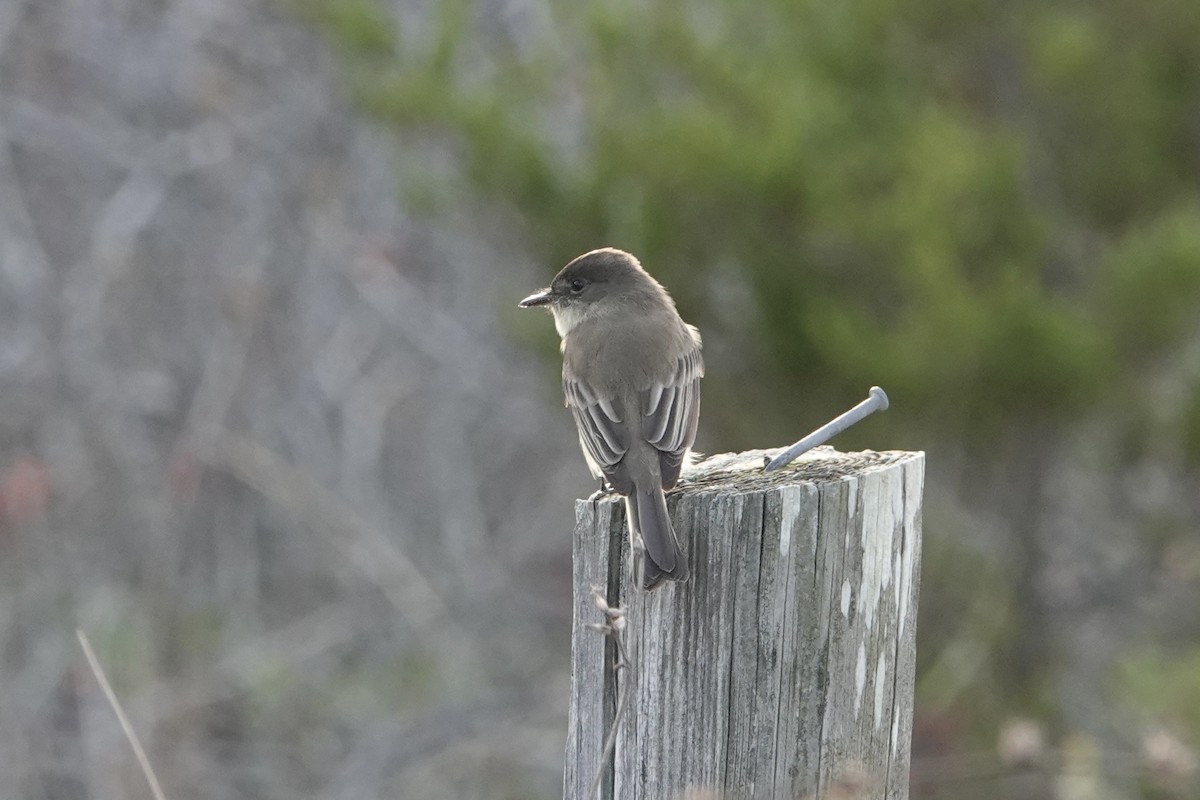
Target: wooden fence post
(783, 668)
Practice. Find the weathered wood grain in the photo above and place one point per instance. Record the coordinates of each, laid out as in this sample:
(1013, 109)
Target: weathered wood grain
(783, 668)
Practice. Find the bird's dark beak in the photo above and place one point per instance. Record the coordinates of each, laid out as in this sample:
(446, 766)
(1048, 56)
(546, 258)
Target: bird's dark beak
(539, 299)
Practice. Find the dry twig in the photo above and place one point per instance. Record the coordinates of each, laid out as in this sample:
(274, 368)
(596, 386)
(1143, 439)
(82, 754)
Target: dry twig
(130, 734)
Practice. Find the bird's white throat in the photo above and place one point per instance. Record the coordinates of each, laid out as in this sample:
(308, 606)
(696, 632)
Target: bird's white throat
(566, 317)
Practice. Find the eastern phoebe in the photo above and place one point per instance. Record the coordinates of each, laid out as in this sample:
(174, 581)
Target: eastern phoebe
(631, 375)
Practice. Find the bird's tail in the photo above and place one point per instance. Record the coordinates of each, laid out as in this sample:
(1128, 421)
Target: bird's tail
(665, 560)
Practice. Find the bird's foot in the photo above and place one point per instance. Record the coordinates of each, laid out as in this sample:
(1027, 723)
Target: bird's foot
(603, 490)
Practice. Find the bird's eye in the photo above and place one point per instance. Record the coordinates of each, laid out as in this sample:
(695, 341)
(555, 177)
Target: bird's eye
(577, 285)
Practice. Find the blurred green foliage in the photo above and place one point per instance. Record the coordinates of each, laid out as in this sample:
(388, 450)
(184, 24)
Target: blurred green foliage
(990, 209)
(362, 27)
(1164, 687)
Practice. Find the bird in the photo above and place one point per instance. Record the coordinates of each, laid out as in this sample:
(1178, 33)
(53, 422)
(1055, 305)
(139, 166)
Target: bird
(631, 378)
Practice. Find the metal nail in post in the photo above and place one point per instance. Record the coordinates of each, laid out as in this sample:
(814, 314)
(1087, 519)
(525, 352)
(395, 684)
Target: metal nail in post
(876, 401)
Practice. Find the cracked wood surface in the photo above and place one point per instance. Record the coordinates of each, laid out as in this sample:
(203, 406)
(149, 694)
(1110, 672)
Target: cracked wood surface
(784, 667)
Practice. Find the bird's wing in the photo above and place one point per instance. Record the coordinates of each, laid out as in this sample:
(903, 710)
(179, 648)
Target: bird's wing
(671, 411)
(599, 423)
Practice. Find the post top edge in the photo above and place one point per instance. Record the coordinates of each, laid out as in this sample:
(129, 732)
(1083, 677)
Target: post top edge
(743, 472)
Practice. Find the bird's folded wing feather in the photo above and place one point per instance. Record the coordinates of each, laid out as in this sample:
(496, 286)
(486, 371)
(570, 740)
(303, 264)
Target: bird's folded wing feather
(671, 411)
(598, 421)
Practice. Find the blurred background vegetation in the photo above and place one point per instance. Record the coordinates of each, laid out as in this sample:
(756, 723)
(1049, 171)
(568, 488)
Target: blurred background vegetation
(261, 262)
(992, 209)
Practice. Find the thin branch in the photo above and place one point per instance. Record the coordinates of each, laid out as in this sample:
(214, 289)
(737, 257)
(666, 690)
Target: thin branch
(110, 695)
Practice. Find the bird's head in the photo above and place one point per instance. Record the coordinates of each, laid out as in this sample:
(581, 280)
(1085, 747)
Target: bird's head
(593, 282)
